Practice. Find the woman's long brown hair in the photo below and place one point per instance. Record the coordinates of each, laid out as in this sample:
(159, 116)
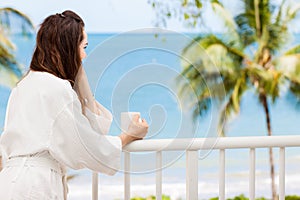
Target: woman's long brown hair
(57, 46)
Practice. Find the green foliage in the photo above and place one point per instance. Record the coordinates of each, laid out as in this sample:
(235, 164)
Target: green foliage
(242, 197)
(164, 197)
(178, 9)
(5, 19)
(292, 197)
(10, 70)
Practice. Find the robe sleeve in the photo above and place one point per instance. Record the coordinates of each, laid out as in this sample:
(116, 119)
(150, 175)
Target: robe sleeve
(100, 123)
(77, 145)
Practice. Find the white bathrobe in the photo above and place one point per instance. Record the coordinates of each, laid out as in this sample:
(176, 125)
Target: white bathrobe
(45, 132)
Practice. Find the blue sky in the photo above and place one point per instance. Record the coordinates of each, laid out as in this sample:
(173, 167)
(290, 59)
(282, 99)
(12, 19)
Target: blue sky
(114, 15)
(108, 16)
(99, 15)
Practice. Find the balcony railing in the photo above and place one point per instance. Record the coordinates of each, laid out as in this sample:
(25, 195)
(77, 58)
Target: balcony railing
(192, 146)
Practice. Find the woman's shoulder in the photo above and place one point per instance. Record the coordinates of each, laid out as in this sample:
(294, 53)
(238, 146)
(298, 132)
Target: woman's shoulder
(46, 84)
(44, 79)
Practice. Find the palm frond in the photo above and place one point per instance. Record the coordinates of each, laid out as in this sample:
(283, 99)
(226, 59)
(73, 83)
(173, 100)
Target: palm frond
(7, 77)
(289, 65)
(6, 42)
(293, 50)
(205, 49)
(254, 21)
(232, 105)
(5, 14)
(236, 94)
(225, 114)
(255, 16)
(229, 22)
(212, 72)
(192, 43)
(277, 37)
(196, 96)
(6, 57)
(279, 14)
(10, 70)
(198, 87)
(246, 27)
(278, 31)
(196, 81)
(203, 104)
(291, 12)
(294, 95)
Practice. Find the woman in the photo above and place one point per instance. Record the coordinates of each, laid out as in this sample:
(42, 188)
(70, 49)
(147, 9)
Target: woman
(52, 120)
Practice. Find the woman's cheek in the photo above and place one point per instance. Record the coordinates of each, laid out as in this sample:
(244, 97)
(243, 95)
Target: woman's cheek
(82, 54)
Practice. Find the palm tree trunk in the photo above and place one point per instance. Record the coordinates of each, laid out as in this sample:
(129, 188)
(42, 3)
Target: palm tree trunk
(264, 101)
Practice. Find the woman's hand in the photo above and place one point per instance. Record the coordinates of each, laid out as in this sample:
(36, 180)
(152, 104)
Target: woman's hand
(137, 130)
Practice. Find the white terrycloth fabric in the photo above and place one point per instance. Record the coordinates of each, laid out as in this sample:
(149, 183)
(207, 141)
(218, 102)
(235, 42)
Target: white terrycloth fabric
(45, 132)
(33, 177)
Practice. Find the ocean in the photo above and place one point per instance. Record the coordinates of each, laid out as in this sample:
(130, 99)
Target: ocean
(136, 72)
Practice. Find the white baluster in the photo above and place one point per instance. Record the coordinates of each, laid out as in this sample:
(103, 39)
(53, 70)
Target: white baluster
(192, 175)
(95, 185)
(282, 173)
(252, 175)
(127, 175)
(222, 174)
(159, 175)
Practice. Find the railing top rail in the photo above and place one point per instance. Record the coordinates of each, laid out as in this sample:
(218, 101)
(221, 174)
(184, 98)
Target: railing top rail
(213, 143)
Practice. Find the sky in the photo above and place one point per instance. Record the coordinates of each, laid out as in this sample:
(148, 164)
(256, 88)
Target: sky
(111, 16)
(99, 15)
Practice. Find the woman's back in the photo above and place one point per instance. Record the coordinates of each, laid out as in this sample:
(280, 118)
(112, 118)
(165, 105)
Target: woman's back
(32, 107)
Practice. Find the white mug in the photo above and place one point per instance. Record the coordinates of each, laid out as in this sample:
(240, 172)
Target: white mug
(126, 118)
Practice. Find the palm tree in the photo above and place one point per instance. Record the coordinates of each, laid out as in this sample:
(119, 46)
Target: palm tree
(248, 57)
(10, 70)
